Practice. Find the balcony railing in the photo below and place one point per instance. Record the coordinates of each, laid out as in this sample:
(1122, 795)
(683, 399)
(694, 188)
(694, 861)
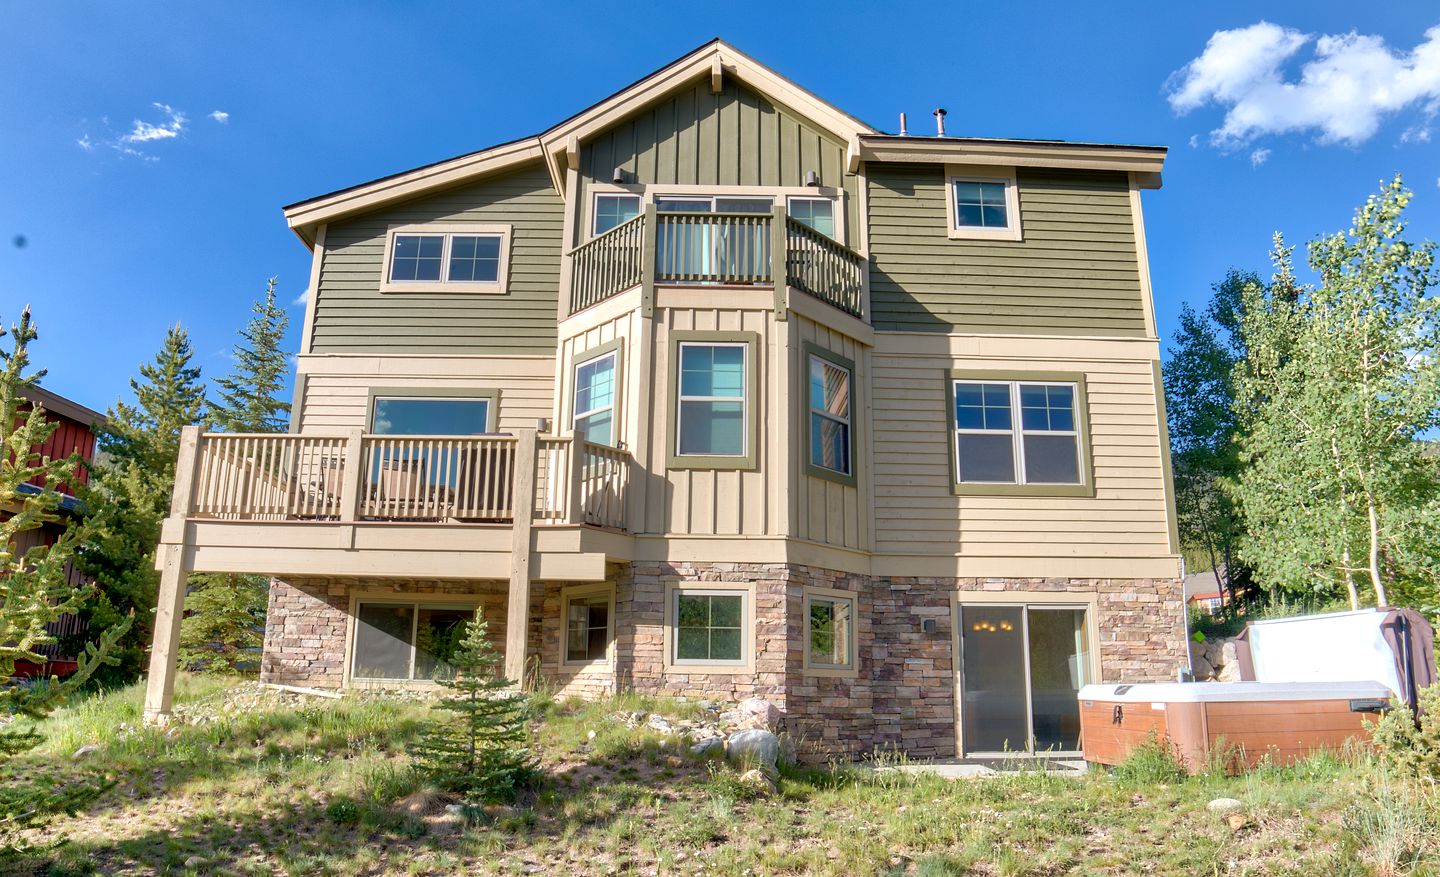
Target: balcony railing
(436, 479)
(715, 248)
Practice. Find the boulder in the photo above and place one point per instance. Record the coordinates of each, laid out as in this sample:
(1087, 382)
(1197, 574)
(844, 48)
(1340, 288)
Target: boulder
(1222, 806)
(1229, 670)
(707, 747)
(757, 712)
(1213, 649)
(661, 724)
(1201, 668)
(754, 747)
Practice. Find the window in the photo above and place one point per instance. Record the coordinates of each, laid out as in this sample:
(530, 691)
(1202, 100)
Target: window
(455, 258)
(710, 626)
(830, 637)
(589, 627)
(595, 386)
(406, 641)
(711, 416)
(430, 416)
(830, 419)
(982, 204)
(1041, 447)
(818, 213)
(612, 211)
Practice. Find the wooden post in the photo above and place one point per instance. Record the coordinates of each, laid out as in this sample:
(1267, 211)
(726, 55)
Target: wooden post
(170, 601)
(648, 253)
(779, 256)
(517, 609)
(575, 478)
(353, 475)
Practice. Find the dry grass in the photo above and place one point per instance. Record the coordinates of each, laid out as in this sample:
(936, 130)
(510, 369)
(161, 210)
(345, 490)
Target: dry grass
(326, 789)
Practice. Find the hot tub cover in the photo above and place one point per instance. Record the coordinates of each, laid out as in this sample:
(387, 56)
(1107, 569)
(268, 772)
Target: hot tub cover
(1234, 692)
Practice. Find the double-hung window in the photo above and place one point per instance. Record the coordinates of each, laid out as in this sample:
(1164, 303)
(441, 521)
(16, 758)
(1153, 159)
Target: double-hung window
(612, 211)
(713, 424)
(453, 258)
(1018, 432)
(595, 388)
(830, 383)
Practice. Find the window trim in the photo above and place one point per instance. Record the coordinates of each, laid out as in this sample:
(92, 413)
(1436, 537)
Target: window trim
(970, 174)
(613, 348)
(435, 394)
(432, 601)
(809, 349)
(595, 207)
(574, 592)
(1086, 487)
(780, 194)
(834, 212)
(851, 668)
(673, 591)
(499, 286)
(751, 429)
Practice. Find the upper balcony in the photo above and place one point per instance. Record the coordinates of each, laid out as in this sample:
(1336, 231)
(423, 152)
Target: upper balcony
(719, 249)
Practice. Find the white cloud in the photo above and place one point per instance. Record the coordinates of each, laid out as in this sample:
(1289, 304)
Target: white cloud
(144, 132)
(1259, 157)
(301, 300)
(85, 143)
(220, 116)
(1349, 86)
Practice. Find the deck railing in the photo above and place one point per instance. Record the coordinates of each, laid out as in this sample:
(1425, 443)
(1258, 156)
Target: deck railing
(715, 248)
(437, 479)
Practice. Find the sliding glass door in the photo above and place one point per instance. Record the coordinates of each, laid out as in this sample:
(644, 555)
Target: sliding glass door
(1021, 668)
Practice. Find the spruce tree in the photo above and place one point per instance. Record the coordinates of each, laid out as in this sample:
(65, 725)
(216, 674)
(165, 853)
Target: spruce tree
(250, 396)
(479, 750)
(35, 590)
(128, 496)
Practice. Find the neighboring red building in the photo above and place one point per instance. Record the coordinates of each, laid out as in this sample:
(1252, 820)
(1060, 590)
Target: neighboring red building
(76, 434)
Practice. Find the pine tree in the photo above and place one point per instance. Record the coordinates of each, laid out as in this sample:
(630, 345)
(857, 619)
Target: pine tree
(128, 496)
(250, 396)
(35, 589)
(480, 750)
(1339, 382)
(224, 624)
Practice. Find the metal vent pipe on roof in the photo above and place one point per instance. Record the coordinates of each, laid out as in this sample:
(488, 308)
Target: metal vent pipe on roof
(903, 131)
(940, 122)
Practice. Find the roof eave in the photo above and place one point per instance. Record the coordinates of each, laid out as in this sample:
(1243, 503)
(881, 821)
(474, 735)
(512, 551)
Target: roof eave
(1145, 162)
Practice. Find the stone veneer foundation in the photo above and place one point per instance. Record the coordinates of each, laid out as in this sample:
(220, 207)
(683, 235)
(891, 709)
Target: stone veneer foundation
(902, 694)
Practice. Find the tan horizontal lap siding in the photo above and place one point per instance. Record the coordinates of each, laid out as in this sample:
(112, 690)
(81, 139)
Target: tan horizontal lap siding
(1075, 272)
(823, 510)
(335, 401)
(916, 513)
(352, 315)
(735, 138)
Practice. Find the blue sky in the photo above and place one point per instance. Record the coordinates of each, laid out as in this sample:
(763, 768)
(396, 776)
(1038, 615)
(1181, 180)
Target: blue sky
(146, 148)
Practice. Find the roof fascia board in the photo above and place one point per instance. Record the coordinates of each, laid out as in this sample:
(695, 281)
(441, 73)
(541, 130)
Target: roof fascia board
(1145, 161)
(57, 404)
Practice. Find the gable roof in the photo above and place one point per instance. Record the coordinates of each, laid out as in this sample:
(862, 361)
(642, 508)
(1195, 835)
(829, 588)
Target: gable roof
(558, 146)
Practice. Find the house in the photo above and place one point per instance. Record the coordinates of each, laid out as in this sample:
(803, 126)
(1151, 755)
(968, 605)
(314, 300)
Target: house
(713, 389)
(74, 434)
(1203, 591)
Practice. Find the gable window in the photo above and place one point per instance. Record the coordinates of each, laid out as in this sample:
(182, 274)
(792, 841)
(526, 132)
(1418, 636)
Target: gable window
(818, 213)
(406, 641)
(594, 403)
(712, 417)
(456, 258)
(983, 205)
(830, 381)
(589, 626)
(830, 637)
(612, 211)
(1018, 432)
(710, 626)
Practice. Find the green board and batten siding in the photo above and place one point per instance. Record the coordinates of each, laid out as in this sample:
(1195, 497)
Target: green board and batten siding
(734, 138)
(1075, 273)
(353, 316)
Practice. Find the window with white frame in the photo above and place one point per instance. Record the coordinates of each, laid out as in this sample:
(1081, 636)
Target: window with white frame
(993, 446)
(400, 641)
(470, 258)
(710, 626)
(589, 627)
(712, 402)
(830, 418)
(830, 638)
(818, 213)
(612, 211)
(595, 398)
(982, 205)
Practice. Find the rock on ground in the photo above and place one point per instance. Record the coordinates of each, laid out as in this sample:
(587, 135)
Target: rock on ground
(758, 781)
(754, 747)
(757, 712)
(1224, 805)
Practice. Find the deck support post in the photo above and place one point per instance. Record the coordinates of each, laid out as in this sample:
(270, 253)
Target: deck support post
(170, 602)
(517, 608)
(649, 250)
(779, 260)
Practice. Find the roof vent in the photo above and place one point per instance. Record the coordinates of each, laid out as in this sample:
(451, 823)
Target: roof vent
(903, 131)
(940, 122)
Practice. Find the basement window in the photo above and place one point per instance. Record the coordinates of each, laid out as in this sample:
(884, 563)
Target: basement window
(406, 642)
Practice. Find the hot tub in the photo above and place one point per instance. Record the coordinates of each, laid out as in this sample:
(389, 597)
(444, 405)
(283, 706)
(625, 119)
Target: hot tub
(1245, 720)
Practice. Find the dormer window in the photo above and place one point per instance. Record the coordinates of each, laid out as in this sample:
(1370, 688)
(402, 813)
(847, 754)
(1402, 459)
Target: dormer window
(456, 258)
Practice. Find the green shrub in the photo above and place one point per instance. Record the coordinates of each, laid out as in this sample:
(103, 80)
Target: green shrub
(1151, 763)
(343, 811)
(1412, 748)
